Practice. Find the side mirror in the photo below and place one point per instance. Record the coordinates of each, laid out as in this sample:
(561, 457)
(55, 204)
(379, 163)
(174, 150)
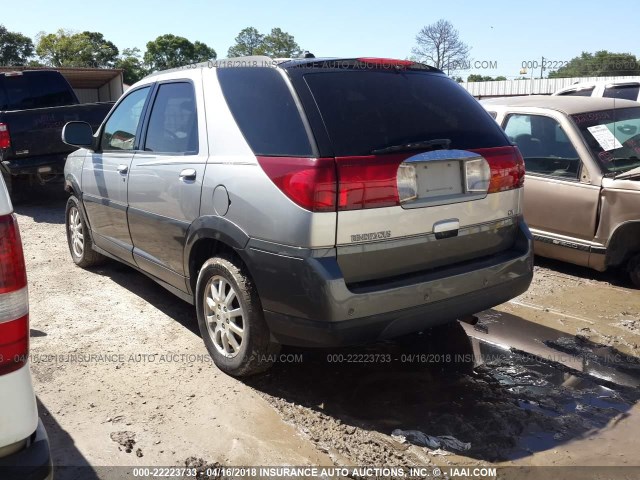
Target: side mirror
(78, 134)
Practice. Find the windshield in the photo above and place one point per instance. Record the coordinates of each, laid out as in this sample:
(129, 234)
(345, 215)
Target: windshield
(613, 136)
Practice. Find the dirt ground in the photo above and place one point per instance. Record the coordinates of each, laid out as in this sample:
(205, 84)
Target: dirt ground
(122, 378)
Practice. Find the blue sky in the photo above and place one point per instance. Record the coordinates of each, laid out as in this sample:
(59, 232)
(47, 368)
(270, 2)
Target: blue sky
(506, 32)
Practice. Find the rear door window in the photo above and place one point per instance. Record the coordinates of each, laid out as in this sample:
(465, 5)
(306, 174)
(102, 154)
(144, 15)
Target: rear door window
(369, 110)
(544, 145)
(627, 92)
(37, 90)
(265, 110)
(173, 124)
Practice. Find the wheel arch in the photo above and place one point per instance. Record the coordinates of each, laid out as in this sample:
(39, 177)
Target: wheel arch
(624, 243)
(207, 236)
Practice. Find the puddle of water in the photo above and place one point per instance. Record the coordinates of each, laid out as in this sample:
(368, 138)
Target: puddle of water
(484, 384)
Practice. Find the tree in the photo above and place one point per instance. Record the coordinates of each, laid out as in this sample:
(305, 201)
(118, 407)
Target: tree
(483, 78)
(601, 64)
(171, 51)
(248, 42)
(65, 48)
(15, 48)
(439, 45)
(131, 63)
(280, 44)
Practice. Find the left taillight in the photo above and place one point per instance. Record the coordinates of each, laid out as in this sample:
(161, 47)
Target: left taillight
(5, 141)
(14, 298)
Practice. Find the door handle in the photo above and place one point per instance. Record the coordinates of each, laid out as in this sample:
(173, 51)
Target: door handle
(123, 169)
(188, 174)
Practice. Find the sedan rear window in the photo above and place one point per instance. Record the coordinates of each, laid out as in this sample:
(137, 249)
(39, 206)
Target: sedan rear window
(369, 110)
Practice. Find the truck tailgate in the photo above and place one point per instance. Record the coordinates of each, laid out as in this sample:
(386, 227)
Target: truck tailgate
(37, 132)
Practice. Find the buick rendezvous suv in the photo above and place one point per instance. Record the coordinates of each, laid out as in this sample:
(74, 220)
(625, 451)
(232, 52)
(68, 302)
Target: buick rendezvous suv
(307, 202)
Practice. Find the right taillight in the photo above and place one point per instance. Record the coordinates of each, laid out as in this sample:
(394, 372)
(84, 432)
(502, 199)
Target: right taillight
(5, 141)
(507, 167)
(14, 298)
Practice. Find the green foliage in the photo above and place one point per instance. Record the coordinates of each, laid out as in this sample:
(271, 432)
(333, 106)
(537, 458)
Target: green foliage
(131, 63)
(171, 51)
(68, 49)
(483, 78)
(15, 48)
(277, 44)
(248, 42)
(600, 64)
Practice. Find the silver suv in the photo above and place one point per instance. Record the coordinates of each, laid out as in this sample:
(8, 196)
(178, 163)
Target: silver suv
(307, 202)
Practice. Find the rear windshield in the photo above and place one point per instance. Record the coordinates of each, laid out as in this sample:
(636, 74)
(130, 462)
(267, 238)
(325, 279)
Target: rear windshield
(35, 90)
(265, 111)
(368, 110)
(613, 136)
(627, 92)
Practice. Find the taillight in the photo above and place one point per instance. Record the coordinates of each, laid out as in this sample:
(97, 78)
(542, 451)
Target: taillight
(14, 301)
(5, 141)
(507, 167)
(368, 181)
(309, 182)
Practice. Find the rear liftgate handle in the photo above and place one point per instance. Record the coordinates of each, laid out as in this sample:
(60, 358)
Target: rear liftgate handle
(446, 228)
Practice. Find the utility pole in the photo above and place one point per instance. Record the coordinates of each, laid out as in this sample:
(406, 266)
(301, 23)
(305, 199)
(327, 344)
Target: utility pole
(541, 67)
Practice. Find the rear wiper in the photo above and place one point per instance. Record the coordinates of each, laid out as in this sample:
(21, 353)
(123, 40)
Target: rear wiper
(435, 144)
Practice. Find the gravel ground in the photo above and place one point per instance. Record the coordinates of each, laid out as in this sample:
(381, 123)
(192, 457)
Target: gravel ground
(131, 383)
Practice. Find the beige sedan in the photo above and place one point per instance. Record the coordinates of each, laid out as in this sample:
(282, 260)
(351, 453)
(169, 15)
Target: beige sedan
(582, 188)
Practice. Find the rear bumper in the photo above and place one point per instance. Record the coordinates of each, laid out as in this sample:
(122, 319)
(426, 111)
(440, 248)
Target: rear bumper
(30, 165)
(307, 303)
(31, 463)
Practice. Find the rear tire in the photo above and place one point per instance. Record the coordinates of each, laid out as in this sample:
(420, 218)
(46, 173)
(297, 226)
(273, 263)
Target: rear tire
(17, 186)
(231, 320)
(633, 267)
(79, 237)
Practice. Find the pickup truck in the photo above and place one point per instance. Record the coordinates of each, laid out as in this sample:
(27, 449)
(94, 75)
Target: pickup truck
(582, 187)
(34, 106)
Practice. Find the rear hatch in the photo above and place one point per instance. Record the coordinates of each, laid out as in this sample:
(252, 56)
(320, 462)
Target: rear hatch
(426, 179)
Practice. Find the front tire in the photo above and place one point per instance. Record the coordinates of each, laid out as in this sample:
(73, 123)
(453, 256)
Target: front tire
(231, 320)
(79, 236)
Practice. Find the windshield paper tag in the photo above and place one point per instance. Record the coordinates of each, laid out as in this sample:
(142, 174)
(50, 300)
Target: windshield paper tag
(604, 137)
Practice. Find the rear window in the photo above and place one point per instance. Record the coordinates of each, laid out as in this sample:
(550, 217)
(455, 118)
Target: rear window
(36, 90)
(627, 92)
(583, 92)
(265, 111)
(368, 110)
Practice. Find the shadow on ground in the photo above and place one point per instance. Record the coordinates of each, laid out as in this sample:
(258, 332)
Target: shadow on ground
(615, 276)
(488, 385)
(44, 203)
(68, 461)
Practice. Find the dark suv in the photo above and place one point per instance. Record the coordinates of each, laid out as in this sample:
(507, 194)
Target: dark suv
(305, 202)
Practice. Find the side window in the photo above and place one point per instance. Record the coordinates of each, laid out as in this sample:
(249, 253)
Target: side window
(544, 145)
(173, 124)
(120, 130)
(265, 111)
(627, 92)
